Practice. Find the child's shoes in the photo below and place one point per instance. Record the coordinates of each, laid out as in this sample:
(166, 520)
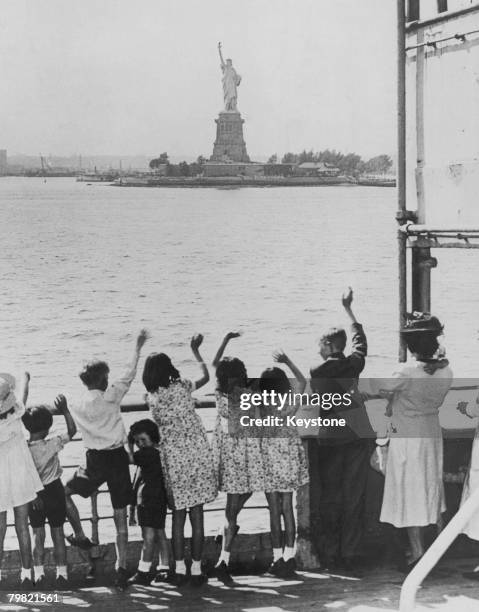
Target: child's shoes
(83, 543)
(198, 580)
(121, 581)
(26, 584)
(277, 568)
(141, 578)
(61, 584)
(41, 583)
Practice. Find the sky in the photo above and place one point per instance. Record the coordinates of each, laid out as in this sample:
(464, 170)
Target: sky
(107, 77)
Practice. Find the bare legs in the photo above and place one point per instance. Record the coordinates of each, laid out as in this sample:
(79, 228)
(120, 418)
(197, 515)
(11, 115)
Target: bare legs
(178, 533)
(275, 511)
(153, 540)
(38, 546)
(163, 548)
(73, 515)
(197, 533)
(121, 523)
(60, 550)
(23, 535)
(281, 505)
(234, 505)
(288, 518)
(416, 542)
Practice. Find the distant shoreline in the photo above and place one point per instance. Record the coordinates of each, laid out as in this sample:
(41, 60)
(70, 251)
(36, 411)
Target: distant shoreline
(238, 181)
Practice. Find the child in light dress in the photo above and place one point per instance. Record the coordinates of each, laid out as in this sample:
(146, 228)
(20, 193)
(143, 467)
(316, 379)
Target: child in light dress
(237, 456)
(51, 502)
(185, 455)
(19, 479)
(285, 466)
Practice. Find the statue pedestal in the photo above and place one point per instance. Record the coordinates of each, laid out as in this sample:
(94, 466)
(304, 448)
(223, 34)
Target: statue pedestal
(229, 141)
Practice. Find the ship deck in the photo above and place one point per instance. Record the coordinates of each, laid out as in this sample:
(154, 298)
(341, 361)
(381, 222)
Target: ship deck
(377, 591)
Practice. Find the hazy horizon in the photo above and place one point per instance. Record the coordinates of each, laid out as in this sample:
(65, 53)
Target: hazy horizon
(126, 79)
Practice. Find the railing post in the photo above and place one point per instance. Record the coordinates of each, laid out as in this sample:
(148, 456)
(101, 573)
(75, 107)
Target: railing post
(305, 551)
(401, 169)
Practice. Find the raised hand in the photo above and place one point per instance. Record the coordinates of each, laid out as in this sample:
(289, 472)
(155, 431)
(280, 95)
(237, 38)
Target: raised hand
(347, 298)
(37, 504)
(27, 376)
(231, 335)
(280, 356)
(196, 342)
(142, 338)
(462, 408)
(60, 404)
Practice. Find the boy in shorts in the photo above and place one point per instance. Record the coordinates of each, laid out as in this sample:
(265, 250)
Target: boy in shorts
(98, 417)
(50, 503)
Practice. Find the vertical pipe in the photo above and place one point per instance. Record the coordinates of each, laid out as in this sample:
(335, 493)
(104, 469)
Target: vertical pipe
(420, 129)
(401, 168)
(421, 257)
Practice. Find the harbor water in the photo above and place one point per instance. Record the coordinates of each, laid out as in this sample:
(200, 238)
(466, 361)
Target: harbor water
(84, 267)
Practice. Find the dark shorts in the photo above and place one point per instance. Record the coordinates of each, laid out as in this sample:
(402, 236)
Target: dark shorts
(110, 466)
(152, 515)
(53, 506)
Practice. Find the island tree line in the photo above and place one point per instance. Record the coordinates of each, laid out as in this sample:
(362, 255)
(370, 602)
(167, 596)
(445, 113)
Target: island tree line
(349, 164)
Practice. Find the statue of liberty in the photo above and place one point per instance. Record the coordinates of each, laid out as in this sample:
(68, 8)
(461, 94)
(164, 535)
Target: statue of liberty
(231, 79)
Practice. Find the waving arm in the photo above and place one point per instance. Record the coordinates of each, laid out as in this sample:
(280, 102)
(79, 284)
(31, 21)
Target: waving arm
(195, 347)
(221, 55)
(223, 345)
(281, 357)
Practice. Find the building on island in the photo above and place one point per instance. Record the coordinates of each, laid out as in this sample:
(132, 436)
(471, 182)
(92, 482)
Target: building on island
(316, 169)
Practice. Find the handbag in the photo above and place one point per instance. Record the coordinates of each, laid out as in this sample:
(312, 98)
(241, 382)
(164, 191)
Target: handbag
(379, 458)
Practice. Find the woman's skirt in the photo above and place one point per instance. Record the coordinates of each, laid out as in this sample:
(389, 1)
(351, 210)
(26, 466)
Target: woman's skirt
(19, 480)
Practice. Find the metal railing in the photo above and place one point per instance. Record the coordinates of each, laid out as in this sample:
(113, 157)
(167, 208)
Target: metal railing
(94, 518)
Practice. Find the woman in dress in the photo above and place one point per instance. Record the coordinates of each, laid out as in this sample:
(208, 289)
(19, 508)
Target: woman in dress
(413, 490)
(186, 457)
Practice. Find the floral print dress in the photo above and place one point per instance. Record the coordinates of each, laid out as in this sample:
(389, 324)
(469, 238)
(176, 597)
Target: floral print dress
(284, 458)
(186, 456)
(237, 449)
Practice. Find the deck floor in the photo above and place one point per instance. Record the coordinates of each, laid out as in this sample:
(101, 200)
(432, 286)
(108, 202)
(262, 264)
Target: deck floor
(378, 591)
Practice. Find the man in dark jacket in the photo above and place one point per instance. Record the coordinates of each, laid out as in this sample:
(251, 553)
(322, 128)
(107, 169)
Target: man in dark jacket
(339, 458)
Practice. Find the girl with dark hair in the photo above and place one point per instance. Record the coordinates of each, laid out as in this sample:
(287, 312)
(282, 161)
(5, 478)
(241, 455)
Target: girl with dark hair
(413, 490)
(285, 466)
(186, 457)
(237, 455)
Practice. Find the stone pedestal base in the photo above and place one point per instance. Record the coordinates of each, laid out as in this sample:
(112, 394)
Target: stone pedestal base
(229, 144)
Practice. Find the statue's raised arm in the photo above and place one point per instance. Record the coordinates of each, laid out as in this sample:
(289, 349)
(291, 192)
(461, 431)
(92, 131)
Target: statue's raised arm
(221, 56)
